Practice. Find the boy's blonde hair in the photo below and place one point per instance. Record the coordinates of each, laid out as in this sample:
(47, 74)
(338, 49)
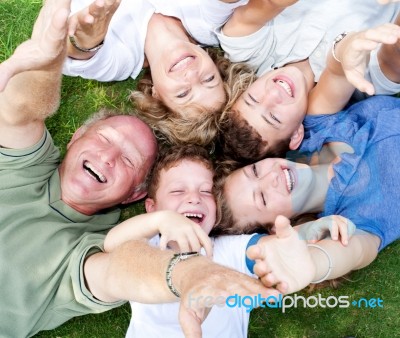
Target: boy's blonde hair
(173, 156)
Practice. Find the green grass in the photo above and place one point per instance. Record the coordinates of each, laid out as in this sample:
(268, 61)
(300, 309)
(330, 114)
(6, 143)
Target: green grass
(80, 98)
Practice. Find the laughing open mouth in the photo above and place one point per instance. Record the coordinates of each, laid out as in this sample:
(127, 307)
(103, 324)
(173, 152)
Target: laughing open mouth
(197, 218)
(285, 86)
(289, 179)
(99, 177)
(182, 63)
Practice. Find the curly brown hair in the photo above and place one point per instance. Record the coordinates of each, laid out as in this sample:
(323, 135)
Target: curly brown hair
(169, 157)
(192, 124)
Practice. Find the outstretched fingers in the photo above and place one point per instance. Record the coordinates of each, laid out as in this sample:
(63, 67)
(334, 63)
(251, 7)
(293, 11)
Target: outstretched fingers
(46, 47)
(89, 26)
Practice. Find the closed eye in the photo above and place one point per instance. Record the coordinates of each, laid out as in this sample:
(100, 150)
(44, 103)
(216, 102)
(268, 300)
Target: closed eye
(103, 138)
(183, 94)
(209, 79)
(274, 118)
(255, 170)
(263, 199)
(127, 161)
(252, 98)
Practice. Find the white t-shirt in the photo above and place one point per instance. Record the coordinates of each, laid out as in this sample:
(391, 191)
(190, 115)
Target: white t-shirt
(161, 320)
(122, 55)
(305, 30)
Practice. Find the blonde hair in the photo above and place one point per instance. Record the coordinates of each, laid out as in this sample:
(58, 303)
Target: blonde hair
(192, 124)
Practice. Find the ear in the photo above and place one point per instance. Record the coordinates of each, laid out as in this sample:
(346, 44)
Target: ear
(78, 133)
(297, 137)
(154, 93)
(150, 205)
(137, 195)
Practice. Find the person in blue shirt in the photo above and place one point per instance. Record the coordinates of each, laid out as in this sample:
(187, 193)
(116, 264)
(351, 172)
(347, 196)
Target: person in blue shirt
(352, 172)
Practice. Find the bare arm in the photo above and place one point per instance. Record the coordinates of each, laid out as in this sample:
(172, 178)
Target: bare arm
(251, 17)
(30, 79)
(172, 226)
(339, 79)
(287, 261)
(136, 271)
(89, 27)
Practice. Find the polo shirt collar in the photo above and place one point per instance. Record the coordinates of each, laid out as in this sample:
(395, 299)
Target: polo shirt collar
(55, 202)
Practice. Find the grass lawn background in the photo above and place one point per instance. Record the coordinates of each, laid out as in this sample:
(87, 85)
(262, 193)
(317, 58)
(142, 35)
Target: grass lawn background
(80, 98)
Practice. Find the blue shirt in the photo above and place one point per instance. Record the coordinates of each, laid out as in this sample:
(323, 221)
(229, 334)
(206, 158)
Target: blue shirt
(365, 187)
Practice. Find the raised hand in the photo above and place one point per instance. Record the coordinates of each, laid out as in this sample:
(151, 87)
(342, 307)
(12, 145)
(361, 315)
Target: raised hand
(188, 235)
(337, 226)
(283, 260)
(353, 52)
(45, 50)
(89, 26)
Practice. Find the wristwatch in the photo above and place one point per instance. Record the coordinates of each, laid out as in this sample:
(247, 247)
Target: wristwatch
(175, 260)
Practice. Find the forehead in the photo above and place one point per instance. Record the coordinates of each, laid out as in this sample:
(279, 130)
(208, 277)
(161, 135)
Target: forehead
(186, 171)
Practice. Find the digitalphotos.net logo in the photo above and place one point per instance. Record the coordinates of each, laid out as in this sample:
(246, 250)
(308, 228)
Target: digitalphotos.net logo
(285, 302)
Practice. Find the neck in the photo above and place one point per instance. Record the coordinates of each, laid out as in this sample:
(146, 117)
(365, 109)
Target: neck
(316, 195)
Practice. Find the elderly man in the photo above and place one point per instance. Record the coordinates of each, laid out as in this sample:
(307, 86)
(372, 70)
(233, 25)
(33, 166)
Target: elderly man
(52, 218)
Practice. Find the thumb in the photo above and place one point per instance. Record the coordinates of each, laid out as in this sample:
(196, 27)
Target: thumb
(283, 227)
(190, 322)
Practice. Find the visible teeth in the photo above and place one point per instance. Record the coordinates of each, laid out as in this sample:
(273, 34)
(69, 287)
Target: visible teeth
(92, 171)
(181, 64)
(186, 214)
(285, 86)
(289, 179)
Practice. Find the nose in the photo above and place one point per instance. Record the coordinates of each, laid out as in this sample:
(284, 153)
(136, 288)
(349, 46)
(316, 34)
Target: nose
(193, 197)
(272, 95)
(192, 75)
(270, 179)
(109, 155)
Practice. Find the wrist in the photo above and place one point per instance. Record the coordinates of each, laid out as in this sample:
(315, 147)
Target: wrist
(82, 49)
(322, 262)
(335, 44)
(179, 270)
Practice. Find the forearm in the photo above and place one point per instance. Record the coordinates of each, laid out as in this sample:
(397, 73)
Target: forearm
(332, 92)
(30, 79)
(136, 228)
(136, 271)
(30, 96)
(28, 99)
(251, 17)
(360, 252)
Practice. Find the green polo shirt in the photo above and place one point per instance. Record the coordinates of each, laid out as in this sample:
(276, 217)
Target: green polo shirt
(43, 244)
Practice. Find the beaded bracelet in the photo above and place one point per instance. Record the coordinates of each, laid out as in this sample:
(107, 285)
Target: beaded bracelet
(85, 50)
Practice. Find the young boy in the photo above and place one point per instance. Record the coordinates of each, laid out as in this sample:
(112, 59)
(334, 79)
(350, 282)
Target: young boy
(264, 117)
(182, 183)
